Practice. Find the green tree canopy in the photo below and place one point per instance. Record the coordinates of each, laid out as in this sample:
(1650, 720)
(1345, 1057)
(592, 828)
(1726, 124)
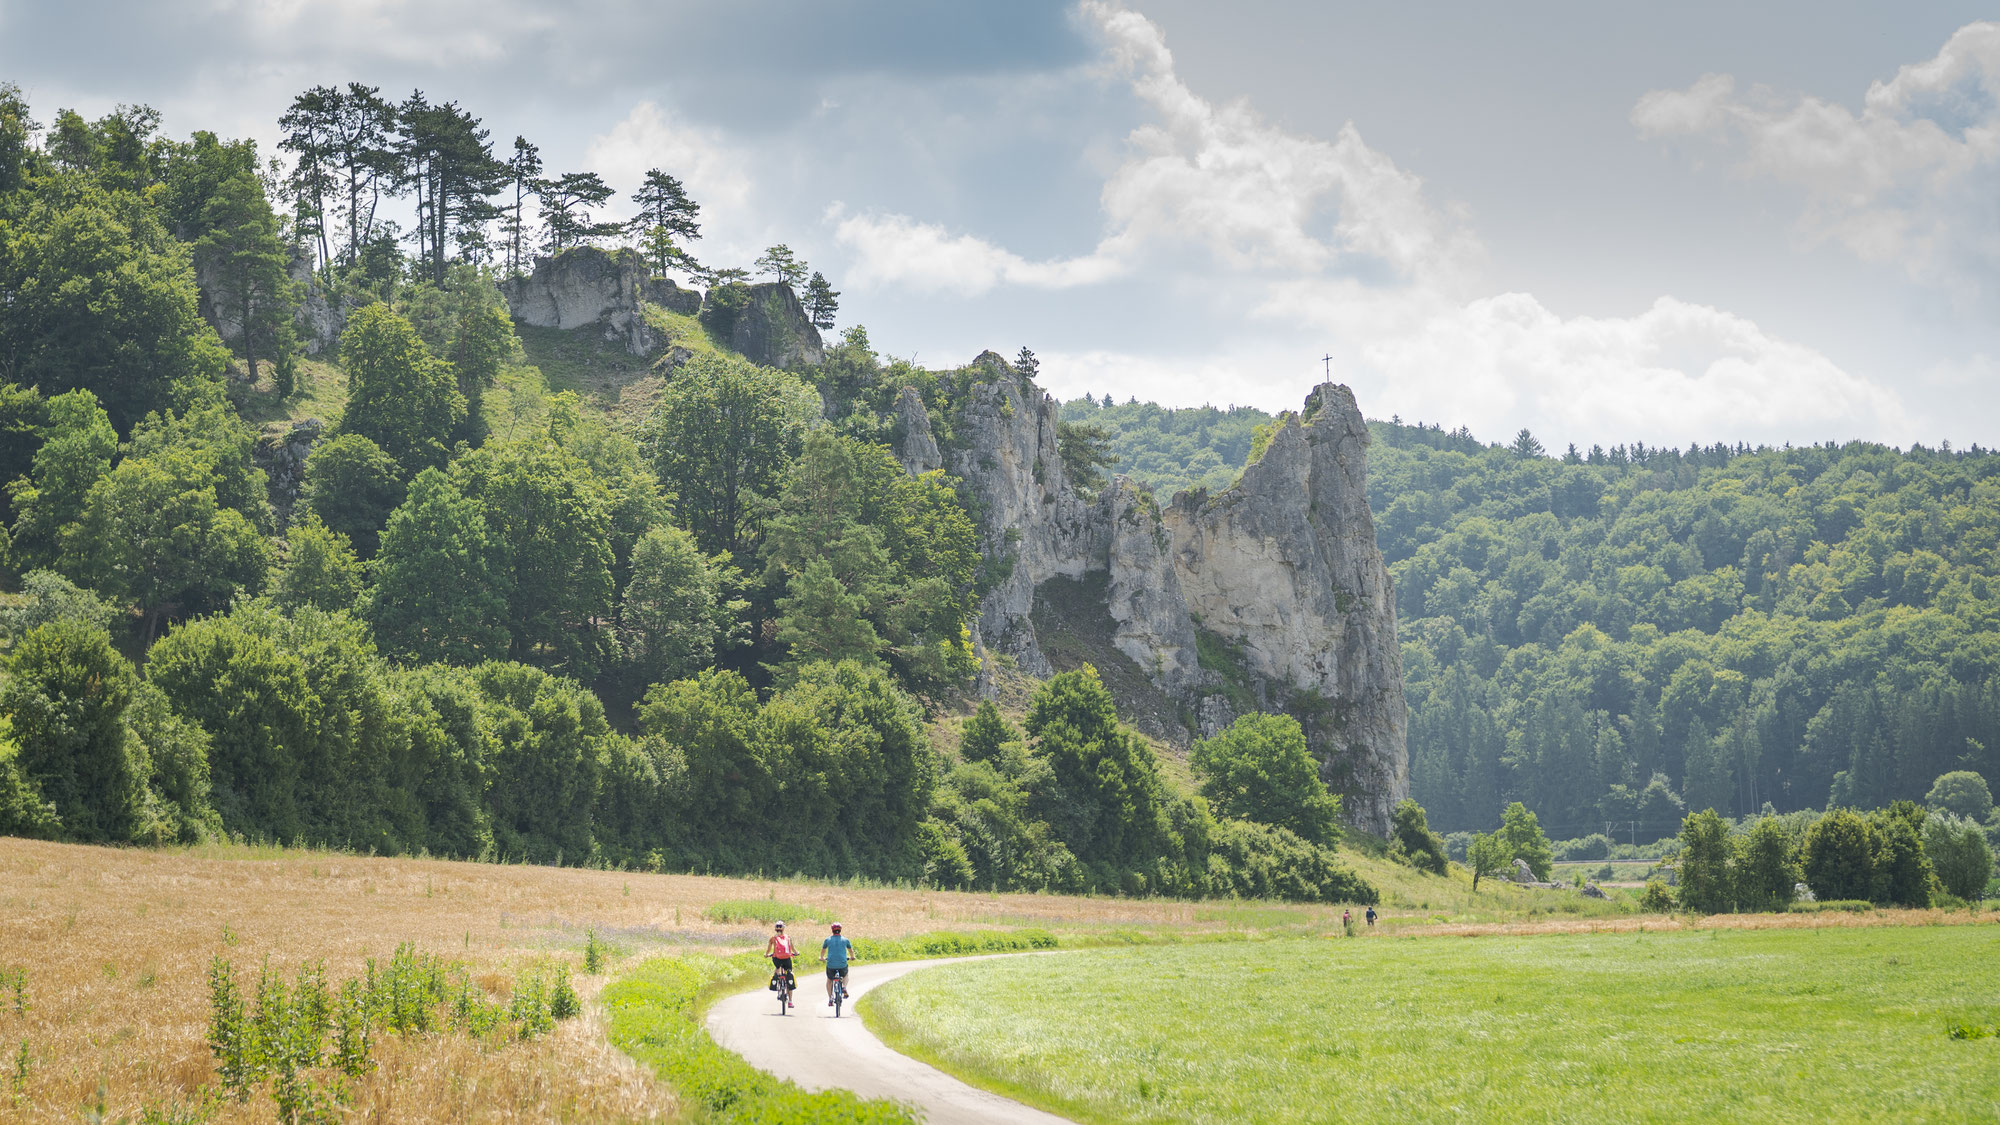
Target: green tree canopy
(1522, 831)
(549, 516)
(352, 486)
(1960, 854)
(153, 535)
(399, 396)
(441, 580)
(78, 443)
(102, 298)
(724, 432)
(676, 610)
(320, 569)
(1962, 793)
(1261, 769)
(1838, 856)
(65, 693)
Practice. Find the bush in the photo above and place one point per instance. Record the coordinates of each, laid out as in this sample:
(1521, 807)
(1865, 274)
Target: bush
(1657, 898)
(1835, 905)
(1422, 848)
(1252, 860)
(1594, 846)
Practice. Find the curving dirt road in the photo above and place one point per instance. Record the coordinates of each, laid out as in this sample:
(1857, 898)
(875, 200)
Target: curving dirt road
(819, 1052)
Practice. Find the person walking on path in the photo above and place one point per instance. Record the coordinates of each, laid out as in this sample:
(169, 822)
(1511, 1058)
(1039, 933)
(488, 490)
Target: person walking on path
(836, 950)
(1371, 915)
(1347, 920)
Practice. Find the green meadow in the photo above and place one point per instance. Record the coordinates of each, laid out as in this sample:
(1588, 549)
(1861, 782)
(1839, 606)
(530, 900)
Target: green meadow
(1851, 1024)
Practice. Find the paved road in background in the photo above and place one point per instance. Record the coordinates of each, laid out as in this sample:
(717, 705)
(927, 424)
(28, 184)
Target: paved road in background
(819, 1052)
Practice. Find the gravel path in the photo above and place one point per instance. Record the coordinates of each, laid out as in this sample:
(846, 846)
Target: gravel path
(819, 1052)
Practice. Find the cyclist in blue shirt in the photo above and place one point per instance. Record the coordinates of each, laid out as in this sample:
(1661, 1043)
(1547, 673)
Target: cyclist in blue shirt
(836, 950)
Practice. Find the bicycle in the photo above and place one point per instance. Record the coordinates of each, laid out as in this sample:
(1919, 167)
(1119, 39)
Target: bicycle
(839, 993)
(782, 985)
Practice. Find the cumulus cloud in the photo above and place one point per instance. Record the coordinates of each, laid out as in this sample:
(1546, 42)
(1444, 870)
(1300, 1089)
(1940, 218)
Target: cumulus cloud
(898, 250)
(1223, 177)
(1419, 337)
(713, 169)
(1677, 371)
(1910, 180)
(1218, 178)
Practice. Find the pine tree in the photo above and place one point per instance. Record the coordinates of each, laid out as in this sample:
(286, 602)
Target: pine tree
(822, 301)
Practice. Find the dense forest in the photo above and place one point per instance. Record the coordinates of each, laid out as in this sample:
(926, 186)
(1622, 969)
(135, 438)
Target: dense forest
(1618, 637)
(726, 635)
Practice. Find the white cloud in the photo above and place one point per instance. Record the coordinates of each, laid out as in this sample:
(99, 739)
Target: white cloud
(1910, 180)
(1218, 178)
(1675, 372)
(1334, 246)
(898, 250)
(1223, 177)
(714, 171)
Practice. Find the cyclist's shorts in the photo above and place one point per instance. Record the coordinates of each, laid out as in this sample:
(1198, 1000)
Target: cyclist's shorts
(783, 963)
(836, 974)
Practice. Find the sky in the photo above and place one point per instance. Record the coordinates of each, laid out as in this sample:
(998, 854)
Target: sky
(1605, 223)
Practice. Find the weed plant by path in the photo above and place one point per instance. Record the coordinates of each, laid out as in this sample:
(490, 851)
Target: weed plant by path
(1735, 1025)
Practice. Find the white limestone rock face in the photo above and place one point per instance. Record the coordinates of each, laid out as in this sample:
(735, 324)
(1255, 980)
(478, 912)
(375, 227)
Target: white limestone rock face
(1146, 599)
(919, 453)
(1285, 566)
(585, 287)
(1032, 520)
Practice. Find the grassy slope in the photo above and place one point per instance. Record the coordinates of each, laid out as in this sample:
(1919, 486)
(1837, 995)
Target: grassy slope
(1799, 1024)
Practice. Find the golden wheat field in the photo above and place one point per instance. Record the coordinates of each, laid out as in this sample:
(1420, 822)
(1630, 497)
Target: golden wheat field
(116, 944)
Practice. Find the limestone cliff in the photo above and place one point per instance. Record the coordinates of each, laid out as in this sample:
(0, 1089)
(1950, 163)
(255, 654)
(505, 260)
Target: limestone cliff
(585, 287)
(1280, 572)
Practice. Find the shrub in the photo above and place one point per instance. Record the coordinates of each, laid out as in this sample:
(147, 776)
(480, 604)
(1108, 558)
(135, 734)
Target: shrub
(1657, 898)
(1252, 860)
(1594, 846)
(1423, 848)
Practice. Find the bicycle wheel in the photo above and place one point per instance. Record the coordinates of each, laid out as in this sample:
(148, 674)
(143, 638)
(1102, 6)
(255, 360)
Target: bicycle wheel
(839, 994)
(784, 997)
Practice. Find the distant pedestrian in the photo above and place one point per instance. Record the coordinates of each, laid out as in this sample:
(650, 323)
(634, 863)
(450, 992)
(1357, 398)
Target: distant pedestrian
(1347, 919)
(1371, 915)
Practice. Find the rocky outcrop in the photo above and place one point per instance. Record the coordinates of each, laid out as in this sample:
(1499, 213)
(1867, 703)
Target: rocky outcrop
(318, 319)
(281, 451)
(1284, 566)
(771, 328)
(919, 449)
(1281, 570)
(663, 292)
(585, 287)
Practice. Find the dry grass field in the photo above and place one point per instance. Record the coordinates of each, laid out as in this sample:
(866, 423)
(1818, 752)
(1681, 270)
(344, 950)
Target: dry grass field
(116, 944)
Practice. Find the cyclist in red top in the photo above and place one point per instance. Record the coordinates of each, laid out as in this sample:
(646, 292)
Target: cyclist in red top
(780, 949)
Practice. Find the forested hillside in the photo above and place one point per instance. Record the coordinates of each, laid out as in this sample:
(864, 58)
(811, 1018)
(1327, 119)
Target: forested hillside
(1615, 636)
(1618, 637)
(716, 628)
